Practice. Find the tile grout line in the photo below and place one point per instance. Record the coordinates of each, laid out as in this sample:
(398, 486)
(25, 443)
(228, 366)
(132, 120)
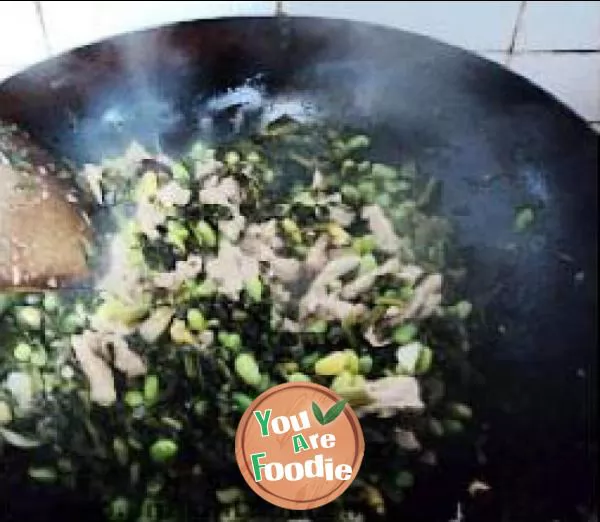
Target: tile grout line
(40, 15)
(516, 30)
(556, 51)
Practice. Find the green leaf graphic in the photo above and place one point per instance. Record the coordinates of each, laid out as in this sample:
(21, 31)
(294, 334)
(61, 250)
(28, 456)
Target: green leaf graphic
(317, 413)
(334, 411)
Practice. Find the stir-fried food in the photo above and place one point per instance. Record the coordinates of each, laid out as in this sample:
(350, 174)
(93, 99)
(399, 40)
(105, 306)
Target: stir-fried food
(288, 256)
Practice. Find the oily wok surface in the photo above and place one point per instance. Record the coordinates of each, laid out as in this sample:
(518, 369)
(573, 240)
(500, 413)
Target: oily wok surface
(494, 141)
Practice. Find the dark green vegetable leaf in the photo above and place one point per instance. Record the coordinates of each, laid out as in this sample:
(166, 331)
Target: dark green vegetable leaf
(318, 413)
(334, 411)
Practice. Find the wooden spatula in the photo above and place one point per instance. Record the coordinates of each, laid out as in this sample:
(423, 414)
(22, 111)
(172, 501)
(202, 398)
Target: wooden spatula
(42, 232)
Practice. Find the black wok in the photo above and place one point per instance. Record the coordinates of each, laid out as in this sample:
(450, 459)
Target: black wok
(495, 141)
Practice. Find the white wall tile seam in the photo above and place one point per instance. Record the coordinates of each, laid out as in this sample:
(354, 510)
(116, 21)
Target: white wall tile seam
(516, 29)
(40, 16)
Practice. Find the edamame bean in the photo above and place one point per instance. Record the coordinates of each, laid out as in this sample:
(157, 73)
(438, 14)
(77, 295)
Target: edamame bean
(241, 401)
(232, 158)
(404, 480)
(233, 341)
(180, 173)
(254, 288)
(405, 333)
(425, 360)
(22, 352)
(460, 411)
(318, 326)
(332, 364)
(205, 234)
(134, 398)
(298, 377)
(180, 334)
(121, 451)
(118, 510)
(44, 475)
(151, 389)
(196, 320)
(365, 364)
(247, 369)
(163, 450)
(29, 317)
(5, 413)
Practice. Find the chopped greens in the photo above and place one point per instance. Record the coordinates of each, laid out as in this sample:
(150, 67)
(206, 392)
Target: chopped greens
(288, 256)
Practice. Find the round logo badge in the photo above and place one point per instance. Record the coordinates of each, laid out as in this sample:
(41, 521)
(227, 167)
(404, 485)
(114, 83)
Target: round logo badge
(299, 445)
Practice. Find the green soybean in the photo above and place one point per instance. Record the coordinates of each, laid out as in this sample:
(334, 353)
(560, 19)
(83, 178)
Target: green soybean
(121, 451)
(229, 495)
(205, 289)
(177, 234)
(151, 389)
(524, 219)
(365, 364)
(44, 475)
(118, 510)
(424, 362)
(180, 173)
(254, 288)
(298, 377)
(359, 141)
(379, 170)
(347, 165)
(332, 364)
(462, 309)
(163, 450)
(241, 401)
(149, 511)
(405, 333)
(247, 369)
(292, 230)
(39, 358)
(196, 320)
(233, 341)
(22, 352)
(200, 407)
(364, 245)
(155, 485)
(134, 398)
(367, 263)
(51, 302)
(253, 157)
(460, 411)
(232, 158)
(205, 234)
(404, 480)
(29, 317)
(5, 413)
(318, 326)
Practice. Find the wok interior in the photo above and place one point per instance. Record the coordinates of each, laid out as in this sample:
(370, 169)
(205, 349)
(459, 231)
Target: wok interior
(493, 140)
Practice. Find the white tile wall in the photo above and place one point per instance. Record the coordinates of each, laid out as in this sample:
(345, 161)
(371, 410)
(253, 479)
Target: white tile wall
(560, 25)
(474, 25)
(573, 78)
(21, 37)
(90, 21)
(487, 28)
